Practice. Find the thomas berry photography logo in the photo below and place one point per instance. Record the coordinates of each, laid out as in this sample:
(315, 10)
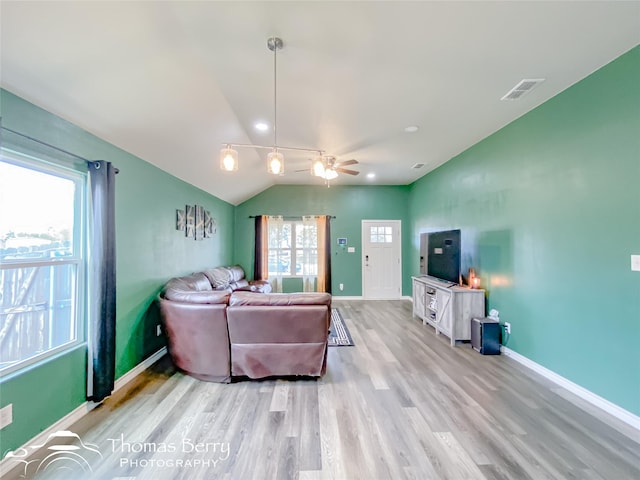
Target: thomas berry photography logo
(64, 453)
(185, 454)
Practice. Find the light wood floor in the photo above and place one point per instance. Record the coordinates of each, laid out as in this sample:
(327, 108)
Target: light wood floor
(400, 404)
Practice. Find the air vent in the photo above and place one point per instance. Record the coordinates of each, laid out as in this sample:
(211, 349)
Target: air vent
(418, 165)
(525, 86)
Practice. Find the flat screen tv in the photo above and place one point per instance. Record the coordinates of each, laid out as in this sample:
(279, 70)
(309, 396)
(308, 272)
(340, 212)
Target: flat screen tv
(443, 256)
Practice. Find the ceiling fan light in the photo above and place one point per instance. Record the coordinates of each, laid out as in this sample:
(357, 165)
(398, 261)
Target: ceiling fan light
(330, 174)
(317, 168)
(275, 163)
(228, 159)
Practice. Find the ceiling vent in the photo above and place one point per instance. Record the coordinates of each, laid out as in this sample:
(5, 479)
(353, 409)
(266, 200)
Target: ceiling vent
(418, 165)
(525, 86)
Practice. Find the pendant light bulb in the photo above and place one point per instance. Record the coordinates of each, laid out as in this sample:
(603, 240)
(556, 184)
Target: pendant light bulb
(275, 163)
(330, 174)
(228, 159)
(317, 167)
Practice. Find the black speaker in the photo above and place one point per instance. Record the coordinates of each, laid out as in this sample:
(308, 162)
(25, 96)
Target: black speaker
(485, 336)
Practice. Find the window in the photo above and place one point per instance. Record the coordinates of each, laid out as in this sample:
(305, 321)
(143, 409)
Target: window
(381, 235)
(41, 259)
(293, 248)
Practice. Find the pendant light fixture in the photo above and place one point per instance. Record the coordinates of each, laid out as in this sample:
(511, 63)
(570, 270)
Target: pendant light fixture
(228, 159)
(275, 158)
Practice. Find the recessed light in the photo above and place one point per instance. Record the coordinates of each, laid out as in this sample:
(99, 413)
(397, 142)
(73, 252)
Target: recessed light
(412, 129)
(263, 127)
(371, 175)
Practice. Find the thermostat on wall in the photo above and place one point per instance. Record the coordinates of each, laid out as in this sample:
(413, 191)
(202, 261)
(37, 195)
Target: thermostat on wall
(342, 242)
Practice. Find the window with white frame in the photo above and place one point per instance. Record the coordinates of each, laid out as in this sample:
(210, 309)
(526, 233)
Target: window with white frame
(293, 249)
(381, 235)
(41, 259)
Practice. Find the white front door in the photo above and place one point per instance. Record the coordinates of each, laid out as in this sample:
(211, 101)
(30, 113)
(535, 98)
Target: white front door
(381, 259)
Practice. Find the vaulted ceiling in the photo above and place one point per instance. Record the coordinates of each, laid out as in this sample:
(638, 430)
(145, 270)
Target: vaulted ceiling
(170, 82)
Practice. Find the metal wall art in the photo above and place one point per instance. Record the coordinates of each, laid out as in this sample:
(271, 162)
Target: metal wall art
(195, 222)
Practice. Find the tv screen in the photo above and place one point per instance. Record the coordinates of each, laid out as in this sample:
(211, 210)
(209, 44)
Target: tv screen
(443, 257)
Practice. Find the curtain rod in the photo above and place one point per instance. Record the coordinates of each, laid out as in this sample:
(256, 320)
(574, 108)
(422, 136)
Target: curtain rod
(66, 152)
(291, 217)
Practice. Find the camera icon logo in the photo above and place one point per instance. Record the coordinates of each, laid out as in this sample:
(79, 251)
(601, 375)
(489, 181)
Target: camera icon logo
(63, 452)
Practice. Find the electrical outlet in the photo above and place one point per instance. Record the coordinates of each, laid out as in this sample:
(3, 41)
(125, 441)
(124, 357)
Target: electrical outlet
(158, 330)
(341, 286)
(635, 263)
(6, 415)
(507, 327)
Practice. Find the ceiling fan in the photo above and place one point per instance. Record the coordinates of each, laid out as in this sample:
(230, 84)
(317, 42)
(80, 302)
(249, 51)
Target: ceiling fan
(327, 167)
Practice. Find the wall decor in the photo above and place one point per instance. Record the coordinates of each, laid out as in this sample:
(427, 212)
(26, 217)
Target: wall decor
(190, 221)
(196, 222)
(209, 225)
(199, 229)
(180, 220)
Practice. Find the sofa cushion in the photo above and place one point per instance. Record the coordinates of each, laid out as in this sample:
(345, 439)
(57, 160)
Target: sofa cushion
(279, 299)
(236, 273)
(219, 277)
(243, 283)
(197, 282)
(194, 288)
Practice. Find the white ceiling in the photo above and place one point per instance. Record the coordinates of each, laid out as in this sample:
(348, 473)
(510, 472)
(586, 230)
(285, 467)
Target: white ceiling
(171, 82)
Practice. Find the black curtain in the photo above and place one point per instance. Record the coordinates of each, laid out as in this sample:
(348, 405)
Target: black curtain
(102, 282)
(327, 249)
(259, 257)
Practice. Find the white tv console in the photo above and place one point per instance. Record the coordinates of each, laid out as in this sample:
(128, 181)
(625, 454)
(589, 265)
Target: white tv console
(447, 308)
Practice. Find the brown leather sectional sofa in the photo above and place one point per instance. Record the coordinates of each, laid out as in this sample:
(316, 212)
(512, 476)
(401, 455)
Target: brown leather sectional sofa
(216, 333)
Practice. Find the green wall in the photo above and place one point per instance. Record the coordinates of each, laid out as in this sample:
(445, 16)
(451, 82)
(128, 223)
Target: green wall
(549, 209)
(149, 252)
(350, 205)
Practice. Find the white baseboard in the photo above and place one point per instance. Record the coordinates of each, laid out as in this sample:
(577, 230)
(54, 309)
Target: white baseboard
(72, 417)
(596, 400)
(138, 369)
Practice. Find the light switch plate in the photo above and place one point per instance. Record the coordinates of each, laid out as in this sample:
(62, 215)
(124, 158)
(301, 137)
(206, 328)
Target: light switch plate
(635, 263)
(351, 249)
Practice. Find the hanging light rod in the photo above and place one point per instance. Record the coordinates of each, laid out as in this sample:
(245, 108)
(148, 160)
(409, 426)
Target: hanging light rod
(269, 147)
(275, 159)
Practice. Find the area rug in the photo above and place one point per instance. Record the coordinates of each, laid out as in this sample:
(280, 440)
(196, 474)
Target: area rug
(339, 335)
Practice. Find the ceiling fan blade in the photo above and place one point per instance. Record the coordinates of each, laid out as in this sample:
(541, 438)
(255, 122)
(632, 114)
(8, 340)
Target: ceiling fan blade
(353, 161)
(347, 171)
